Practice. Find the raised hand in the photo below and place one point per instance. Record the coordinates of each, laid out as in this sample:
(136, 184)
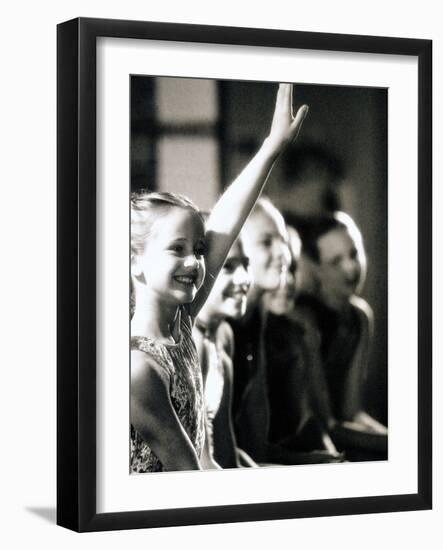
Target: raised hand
(285, 127)
(234, 206)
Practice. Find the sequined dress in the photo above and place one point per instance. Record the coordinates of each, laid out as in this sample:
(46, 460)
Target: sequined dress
(180, 362)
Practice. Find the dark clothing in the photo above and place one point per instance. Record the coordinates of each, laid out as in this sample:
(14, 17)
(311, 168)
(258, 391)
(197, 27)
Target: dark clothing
(272, 415)
(287, 376)
(340, 334)
(250, 408)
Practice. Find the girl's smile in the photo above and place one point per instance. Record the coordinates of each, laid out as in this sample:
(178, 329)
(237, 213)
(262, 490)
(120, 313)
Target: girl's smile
(188, 279)
(172, 264)
(228, 297)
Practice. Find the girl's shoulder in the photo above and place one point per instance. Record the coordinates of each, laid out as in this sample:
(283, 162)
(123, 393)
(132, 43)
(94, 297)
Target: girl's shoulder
(225, 338)
(225, 346)
(364, 313)
(362, 309)
(147, 353)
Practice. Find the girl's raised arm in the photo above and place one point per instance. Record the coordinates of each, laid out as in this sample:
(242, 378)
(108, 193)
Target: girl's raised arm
(236, 203)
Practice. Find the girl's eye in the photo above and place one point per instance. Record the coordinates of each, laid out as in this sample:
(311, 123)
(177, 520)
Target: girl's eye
(229, 266)
(267, 243)
(177, 248)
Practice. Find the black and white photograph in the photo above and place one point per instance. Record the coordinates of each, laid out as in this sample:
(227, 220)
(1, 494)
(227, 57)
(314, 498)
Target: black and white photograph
(258, 274)
(244, 268)
(221, 284)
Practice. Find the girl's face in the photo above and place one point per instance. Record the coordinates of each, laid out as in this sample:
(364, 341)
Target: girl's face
(341, 263)
(228, 297)
(265, 241)
(281, 300)
(172, 264)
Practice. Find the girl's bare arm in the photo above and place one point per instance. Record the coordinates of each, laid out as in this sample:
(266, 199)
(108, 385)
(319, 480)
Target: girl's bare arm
(154, 417)
(354, 384)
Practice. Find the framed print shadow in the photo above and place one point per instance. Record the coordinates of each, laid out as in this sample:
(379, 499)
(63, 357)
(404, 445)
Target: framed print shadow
(244, 288)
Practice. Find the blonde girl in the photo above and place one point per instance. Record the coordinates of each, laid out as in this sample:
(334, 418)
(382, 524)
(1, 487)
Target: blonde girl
(215, 345)
(174, 263)
(266, 243)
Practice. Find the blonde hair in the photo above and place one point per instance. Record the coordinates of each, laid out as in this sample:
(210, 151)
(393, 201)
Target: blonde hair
(147, 206)
(265, 206)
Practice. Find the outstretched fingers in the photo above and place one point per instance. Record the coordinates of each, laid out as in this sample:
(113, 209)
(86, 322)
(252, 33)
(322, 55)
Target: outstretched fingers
(284, 99)
(284, 127)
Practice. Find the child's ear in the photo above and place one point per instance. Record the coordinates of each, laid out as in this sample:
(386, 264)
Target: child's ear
(136, 269)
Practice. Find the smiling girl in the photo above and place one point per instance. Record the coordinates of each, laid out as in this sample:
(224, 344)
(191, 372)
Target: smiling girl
(295, 423)
(214, 340)
(266, 243)
(267, 397)
(174, 264)
(342, 325)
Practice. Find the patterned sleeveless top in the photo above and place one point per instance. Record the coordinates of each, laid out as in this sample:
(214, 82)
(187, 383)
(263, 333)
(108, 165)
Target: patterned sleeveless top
(180, 361)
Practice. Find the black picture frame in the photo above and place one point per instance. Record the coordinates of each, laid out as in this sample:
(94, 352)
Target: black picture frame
(76, 265)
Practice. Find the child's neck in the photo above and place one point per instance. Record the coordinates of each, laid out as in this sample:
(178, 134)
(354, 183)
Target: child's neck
(154, 318)
(255, 296)
(334, 301)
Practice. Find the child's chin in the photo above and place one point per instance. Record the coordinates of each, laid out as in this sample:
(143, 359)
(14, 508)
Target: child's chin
(187, 297)
(279, 307)
(235, 311)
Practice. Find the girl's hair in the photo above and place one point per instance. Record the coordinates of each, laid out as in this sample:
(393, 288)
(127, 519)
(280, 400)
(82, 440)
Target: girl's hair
(294, 247)
(312, 230)
(265, 205)
(147, 206)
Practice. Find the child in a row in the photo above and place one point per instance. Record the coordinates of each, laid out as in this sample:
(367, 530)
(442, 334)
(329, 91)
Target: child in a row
(296, 400)
(175, 261)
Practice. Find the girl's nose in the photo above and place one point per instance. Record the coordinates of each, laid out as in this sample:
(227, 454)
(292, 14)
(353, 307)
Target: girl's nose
(191, 261)
(281, 252)
(241, 276)
(351, 266)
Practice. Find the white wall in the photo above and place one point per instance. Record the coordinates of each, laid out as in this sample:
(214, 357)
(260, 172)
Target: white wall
(27, 460)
